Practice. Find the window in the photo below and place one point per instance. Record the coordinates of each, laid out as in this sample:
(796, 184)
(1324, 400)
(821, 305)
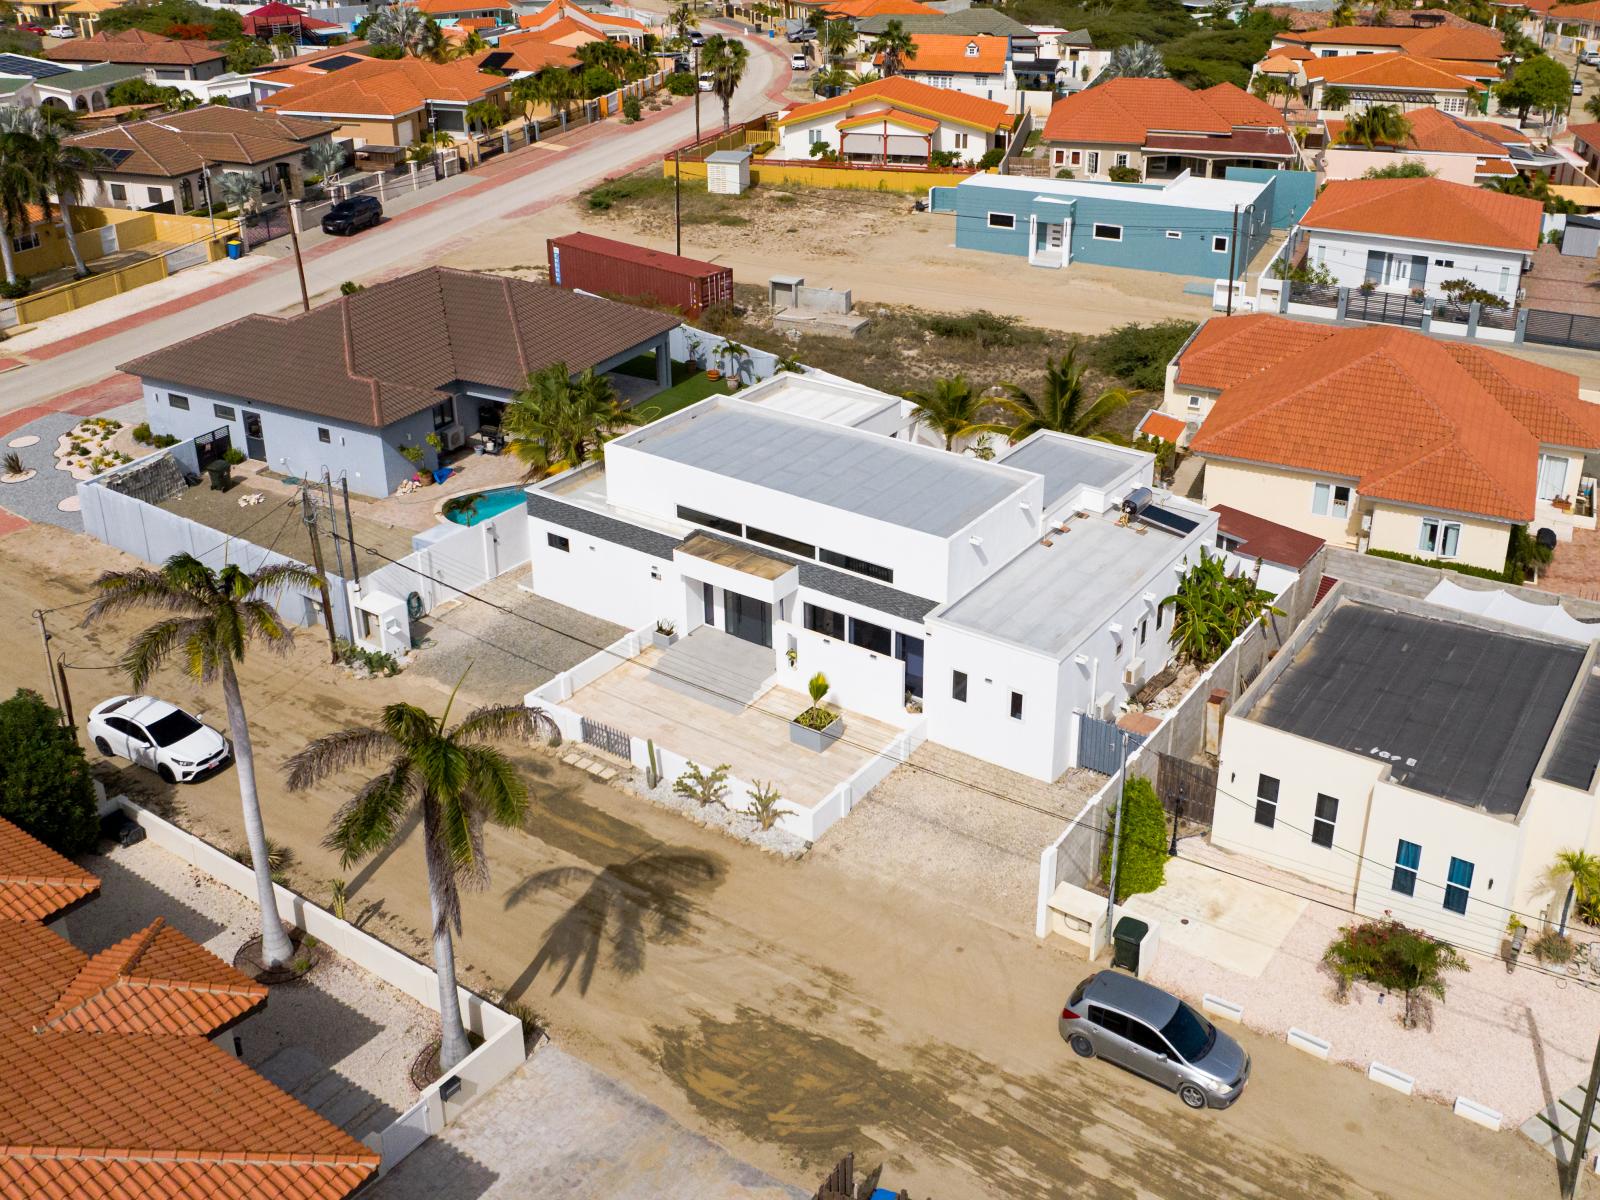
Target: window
(1194, 403)
(1552, 476)
(1077, 158)
(1444, 262)
(1122, 159)
(961, 141)
(1440, 538)
(958, 686)
(444, 414)
(156, 195)
(1267, 801)
(1108, 233)
(1060, 157)
(119, 192)
(1142, 1036)
(779, 542)
(818, 137)
(972, 49)
(1505, 280)
(1322, 823)
(1453, 104)
(1330, 500)
(181, 403)
(824, 621)
(1094, 162)
(1111, 1022)
(324, 435)
(696, 517)
(1161, 615)
(1219, 244)
(223, 413)
(557, 542)
(1175, 234)
(1458, 885)
(870, 637)
(1407, 858)
(1016, 706)
(1002, 220)
(1144, 629)
(25, 241)
(859, 565)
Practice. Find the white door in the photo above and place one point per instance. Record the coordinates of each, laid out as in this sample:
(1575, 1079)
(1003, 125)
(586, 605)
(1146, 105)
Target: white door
(1052, 237)
(404, 134)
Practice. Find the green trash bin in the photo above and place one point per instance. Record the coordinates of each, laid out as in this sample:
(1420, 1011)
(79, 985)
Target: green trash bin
(1125, 941)
(221, 474)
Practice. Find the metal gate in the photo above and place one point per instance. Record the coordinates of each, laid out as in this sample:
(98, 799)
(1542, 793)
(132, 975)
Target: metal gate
(1188, 789)
(603, 737)
(262, 228)
(1562, 329)
(1391, 308)
(1098, 744)
(209, 447)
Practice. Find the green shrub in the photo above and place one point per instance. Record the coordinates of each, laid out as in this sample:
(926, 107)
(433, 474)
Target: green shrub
(233, 456)
(17, 290)
(1442, 564)
(141, 433)
(379, 662)
(681, 84)
(704, 788)
(1552, 947)
(44, 778)
(1138, 354)
(991, 158)
(162, 440)
(1392, 956)
(764, 807)
(632, 110)
(989, 330)
(1142, 860)
(1124, 174)
(349, 287)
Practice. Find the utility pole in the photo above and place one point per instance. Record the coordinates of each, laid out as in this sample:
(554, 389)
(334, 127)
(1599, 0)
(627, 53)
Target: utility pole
(299, 265)
(66, 695)
(1233, 243)
(49, 666)
(697, 95)
(333, 524)
(309, 515)
(1177, 816)
(1116, 834)
(677, 199)
(350, 533)
(1580, 1140)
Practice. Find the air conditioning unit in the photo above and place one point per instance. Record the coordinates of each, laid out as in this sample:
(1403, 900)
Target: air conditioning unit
(1105, 706)
(1133, 673)
(1366, 522)
(453, 437)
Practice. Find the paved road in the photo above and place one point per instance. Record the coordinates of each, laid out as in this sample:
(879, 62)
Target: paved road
(531, 180)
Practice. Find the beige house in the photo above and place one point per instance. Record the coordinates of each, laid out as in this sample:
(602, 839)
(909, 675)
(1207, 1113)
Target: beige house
(1378, 438)
(1423, 761)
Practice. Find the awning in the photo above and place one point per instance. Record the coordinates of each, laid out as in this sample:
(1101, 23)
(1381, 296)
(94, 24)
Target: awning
(1385, 96)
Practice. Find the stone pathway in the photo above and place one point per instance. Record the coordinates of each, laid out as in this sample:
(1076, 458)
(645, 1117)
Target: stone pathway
(1554, 1127)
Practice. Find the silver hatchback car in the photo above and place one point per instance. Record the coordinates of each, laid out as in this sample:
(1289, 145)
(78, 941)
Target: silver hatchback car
(1154, 1034)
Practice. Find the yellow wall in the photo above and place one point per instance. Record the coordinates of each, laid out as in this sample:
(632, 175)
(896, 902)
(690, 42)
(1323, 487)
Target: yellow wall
(134, 229)
(1483, 543)
(834, 177)
(1284, 497)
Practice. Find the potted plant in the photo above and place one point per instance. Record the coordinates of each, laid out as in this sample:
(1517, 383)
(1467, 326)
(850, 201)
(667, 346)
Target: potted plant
(817, 728)
(436, 442)
(1367, 287)
(666, 633)
(792, 654)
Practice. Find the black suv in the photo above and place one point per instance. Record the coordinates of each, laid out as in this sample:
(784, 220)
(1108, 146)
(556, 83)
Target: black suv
(347, 216)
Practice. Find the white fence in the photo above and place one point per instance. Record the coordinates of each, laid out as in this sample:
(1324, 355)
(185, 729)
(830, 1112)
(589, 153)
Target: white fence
(692, 345)
(501, 1052)
(451, 560)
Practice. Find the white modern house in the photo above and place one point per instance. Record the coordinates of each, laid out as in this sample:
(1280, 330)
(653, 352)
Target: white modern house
(1424, 761)
(796, 528)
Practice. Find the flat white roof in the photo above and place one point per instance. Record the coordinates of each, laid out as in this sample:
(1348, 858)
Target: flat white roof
(1189, 192)
(827, 398)
(1067, 462)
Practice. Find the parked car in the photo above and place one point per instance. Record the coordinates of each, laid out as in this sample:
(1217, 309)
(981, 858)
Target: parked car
(799, 62)
(696, 38)
(158, 736)
(347, 216)
(1152, 1033)
(804, 34)
(1577, 88)
(61, 31)
(39, 29)
(707, 82)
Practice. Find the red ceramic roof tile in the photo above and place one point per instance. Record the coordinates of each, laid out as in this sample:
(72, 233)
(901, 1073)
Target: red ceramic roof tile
(918, 98)
(38, 965)
(1430, 210)
(35, 881)
(1160, 425)
(1436, 132)
(37, 1177)
(385, 87)
(1127, 111)
(134, 46)
(1266, 540)
(955, 54)
(1390, 71)
(1475, 44)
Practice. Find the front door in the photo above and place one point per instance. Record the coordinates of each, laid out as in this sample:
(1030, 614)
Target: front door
(909, 651)
(746, 618)
(1052, 237)
(255, 445)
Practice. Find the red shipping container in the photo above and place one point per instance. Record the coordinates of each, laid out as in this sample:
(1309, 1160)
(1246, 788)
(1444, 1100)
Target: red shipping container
(597, 264)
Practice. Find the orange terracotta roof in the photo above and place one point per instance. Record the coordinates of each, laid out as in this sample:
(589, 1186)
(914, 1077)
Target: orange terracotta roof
(1446, 426)
(1475, 44)
(1504, 134)
(564, 32)
(1160, 425)
(1389, 71)
(1436, 132)
(530, 54)
(39, 966)
(479, 23)
(953, 54)
(156, 981)
(386, 88)
(859, 10)
(1587, 132)
(443, 8)
(1126, 111)
(943, 103)
(1576, 12)
(1431, 210)
(890, 116)
(35, 881)
(561, 10)
(98, 1177)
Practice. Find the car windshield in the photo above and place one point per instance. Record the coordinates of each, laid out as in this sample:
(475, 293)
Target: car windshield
(342, 209)
(1190, 1034)
(173, 727)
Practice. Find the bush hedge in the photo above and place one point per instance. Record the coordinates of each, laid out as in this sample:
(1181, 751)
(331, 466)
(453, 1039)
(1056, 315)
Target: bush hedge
(1142, 861)
(1500, 576)
(45, 787)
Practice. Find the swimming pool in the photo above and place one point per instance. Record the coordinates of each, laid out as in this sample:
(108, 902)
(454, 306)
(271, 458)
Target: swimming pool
(480, 506)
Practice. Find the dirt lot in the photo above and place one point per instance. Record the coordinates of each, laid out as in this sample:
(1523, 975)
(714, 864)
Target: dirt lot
(793, 1010)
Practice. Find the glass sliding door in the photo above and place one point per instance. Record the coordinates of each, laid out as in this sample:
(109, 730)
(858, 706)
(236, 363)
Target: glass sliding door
(747, 618)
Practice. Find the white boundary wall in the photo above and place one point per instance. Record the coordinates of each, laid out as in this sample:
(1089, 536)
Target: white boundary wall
(501, 1053)
(465, 558)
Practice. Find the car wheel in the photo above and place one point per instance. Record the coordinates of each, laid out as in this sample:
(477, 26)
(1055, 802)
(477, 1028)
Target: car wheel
(103, 746)
(166, 773)
(1081, 1045)
(1191, 1094)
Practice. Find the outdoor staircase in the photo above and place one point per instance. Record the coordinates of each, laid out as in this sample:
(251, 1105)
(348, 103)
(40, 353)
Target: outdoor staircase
(715, 668)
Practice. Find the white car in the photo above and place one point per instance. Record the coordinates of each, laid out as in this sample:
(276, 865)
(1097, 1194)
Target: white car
(61, 31)
(707, 82)
(799, 62)
(157, 735)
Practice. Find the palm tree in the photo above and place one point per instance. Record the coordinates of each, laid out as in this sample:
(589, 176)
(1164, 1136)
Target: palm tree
(725, 59)
(1381, 124)
(325, 158)
(61, 167)
(1344, 13)
(1138, 61)
(557, 419)
(458, 781)
(837, 39)
(951, 409)
(682, 18)
(484, 115)
(1062, 405)
(240, 192)
(19, 183)
(896, 45)
(213, 616)
(406, 27)
(1580, 871)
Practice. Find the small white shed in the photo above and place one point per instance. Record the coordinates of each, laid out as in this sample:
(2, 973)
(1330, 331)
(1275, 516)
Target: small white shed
(728, 172)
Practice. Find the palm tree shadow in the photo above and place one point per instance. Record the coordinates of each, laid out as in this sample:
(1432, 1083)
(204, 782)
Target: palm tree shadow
(623, 907)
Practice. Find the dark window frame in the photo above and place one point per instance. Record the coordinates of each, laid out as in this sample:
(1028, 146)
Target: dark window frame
(1097, 236)
(1405, 874)
(224, 412)
(778, 542)
(860, 629)
(958, 686)
(1016, 706)
(558, 541)
(1325, 819)
(178, 401)
(1267, 805)
(1457, 894)
(695, 517)
(859, 566)
(820, 620)
(444, 413)
(324, 435)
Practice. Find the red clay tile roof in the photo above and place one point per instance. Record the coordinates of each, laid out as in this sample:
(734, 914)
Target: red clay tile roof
(35, 882)
(1266, 540)
(563, 10)
(947, 54)
(1437, 132)
(401, 346)
(386, 88)
(134, 46)
(39, 966)
(859, 10)
(1446, 426)
(156, 981)
(1587, 132)
(1127, 111)
(1430, 210)
(1576, 12)
(1160, 425)
(943, 103)
(1390, 71)
(530, 52)
(564, 30)
(1474, 44)
(893, 117)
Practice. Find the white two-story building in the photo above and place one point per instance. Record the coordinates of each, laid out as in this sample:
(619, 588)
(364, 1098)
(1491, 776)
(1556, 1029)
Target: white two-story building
(998, 600)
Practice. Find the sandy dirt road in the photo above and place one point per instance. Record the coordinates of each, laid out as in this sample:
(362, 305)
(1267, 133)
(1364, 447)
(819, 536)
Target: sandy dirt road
(791, 1011)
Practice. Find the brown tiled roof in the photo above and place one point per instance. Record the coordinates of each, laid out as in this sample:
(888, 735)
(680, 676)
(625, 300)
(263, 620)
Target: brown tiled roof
(1266, 540)
(156, 981)
(35, 881)
(1429, 210)
(399, 347)
(1443, 425)
(134, 46)
(175, 144)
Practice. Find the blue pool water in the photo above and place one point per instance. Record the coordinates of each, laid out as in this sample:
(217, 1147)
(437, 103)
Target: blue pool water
(480, 506)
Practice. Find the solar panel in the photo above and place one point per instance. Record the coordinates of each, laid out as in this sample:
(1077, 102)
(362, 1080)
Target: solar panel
(114, 158)
(496, 61)
(338, 62)
(1170, 521)
(21, 64)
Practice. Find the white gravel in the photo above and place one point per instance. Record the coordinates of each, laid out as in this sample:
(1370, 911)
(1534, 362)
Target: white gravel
(730, 821)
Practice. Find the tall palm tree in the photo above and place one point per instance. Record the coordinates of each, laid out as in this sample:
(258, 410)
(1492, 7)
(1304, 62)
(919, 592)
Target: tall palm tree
(212, 618)
(1381, 124)
(1062, 405)
(951, 409)
(406, 27)
(682, 18)
(458, 781)
(62, 168)
(19, 184)
(557, 419)
(1141, 60)
(896, 45)
(240, 192)
(725, 59)
(838, 37)
(1580, 871)
(484, 115)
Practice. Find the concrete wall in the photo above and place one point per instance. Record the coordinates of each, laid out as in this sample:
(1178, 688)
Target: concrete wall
(1076, 157)
(1292, 191)
(1350, 162)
